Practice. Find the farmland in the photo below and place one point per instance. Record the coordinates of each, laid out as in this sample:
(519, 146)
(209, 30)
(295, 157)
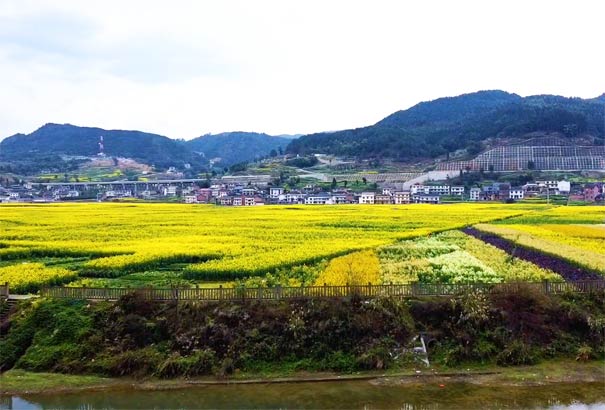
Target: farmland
(138, 244)
(575, 234)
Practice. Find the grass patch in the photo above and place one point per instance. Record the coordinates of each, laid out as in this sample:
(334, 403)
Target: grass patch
(23, 381)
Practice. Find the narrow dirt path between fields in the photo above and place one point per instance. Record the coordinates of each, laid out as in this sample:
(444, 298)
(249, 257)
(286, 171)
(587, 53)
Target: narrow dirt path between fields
(567, 270)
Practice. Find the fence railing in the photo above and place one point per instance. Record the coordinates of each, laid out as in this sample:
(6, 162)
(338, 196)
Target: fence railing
(4, 291)
(319, 292)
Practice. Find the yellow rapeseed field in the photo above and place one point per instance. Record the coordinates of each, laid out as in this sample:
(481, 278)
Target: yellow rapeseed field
(578, 243)
(218, 243)
(357, 268)
(574, 233)
(26, 277)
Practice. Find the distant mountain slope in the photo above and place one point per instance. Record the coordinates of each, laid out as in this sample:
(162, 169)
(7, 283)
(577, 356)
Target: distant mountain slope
(66, 139)
(430, 129)
(234, 147)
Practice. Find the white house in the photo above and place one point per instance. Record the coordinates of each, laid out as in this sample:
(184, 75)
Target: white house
(457, 190)
(170, 190)
(417, 189)
(437, 190)
(563, 187)
(276, 192)
(248, 191)
(515, 193)
(295, 198)
(319, 199)
(338, 199)
(426, 199)
(367, 198)
(402, 197)
(190, 199)
(475, 193)
(547, 185)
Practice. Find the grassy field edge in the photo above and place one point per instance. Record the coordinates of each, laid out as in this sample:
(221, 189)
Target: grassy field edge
(16, 382)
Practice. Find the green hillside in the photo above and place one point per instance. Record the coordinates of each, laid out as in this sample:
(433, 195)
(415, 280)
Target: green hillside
(53, 140)
(234, 147)
(434, 128)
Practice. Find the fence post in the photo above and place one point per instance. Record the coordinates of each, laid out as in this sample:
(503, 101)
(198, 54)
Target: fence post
(414, 288)
(369, 288)
(546, 286)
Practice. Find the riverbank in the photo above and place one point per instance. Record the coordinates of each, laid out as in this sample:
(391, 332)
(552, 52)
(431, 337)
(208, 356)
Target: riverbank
(20, 382)
(297, 340)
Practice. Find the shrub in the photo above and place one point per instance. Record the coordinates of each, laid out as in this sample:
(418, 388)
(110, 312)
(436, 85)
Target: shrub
(517, 353)
(51, 357)
(199, 363)
(378, 357)
(139, 362)
(226, 367)
(585, 353)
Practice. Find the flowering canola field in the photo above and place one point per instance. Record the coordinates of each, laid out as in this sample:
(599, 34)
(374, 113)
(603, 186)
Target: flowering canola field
(574, 233)
(214, 243)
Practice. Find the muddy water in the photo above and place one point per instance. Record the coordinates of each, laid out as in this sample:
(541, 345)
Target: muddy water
(333, 395)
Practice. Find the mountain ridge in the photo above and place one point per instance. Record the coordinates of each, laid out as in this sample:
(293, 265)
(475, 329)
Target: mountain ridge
(429, 129)
(72, 140)
(238, 146)
(434, 128)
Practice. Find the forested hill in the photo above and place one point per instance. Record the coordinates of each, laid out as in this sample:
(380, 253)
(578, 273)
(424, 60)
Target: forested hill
(66, 139)
(433, 128)
(233, 147)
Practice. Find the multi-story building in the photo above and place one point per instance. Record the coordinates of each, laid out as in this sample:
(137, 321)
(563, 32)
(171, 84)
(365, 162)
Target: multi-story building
(339, 198)
(295, 197)
(430, 189)
(275, 192)
(563, 187)
(170, 190)
(551, 185)
(457, 190)
(190, 199)
(437, 190)
(426, 199)
(367, 198)
(318, 199)
(382, 199)
(516, 193)
(402, 197)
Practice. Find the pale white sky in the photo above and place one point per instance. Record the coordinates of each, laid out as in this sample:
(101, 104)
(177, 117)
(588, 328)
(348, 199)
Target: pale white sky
(185, 68)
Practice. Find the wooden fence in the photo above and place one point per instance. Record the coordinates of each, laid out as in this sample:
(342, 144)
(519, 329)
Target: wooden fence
(4, 291)
(319, 292)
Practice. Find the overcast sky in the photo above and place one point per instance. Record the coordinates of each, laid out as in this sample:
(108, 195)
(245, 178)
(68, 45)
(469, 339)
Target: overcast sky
(186, 68)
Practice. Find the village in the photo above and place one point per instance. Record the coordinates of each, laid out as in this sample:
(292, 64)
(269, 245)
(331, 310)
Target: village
(254, 192)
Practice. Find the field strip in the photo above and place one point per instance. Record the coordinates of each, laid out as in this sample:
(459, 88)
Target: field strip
(568, 270)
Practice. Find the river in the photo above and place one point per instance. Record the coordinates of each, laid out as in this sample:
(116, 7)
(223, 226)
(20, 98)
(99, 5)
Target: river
(374, 394)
